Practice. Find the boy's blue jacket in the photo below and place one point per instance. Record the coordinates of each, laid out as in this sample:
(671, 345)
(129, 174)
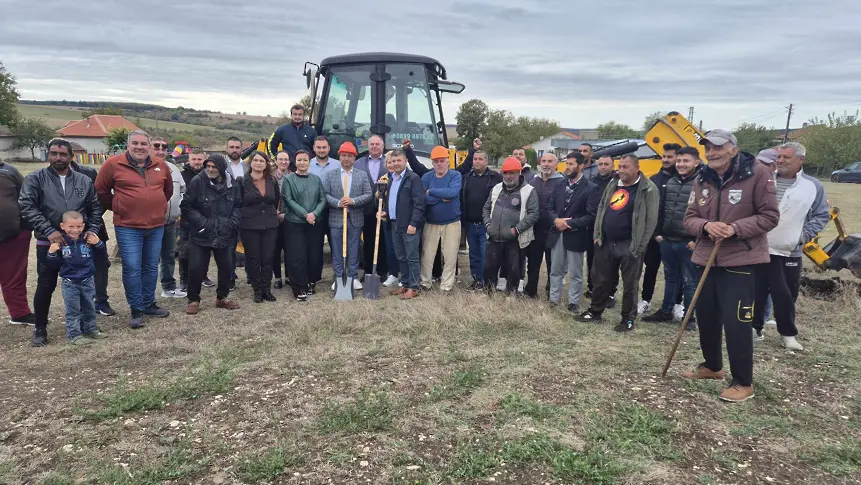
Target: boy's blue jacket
(75, 259)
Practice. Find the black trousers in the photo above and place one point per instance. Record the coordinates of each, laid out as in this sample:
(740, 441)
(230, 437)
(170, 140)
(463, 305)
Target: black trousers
(102, 262)
(652, 262)
(499, 255)
(611, 258)
(182, 253)
(726, 304)
(590, 257)
(535, 253)
(46, 283)
(259, 247)
(280, 249)
(368, 233)
(198, 264)
(315, 268)
(781, 278)
(304, 251)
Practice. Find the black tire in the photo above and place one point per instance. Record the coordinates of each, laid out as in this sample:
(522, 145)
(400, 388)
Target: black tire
(835, 178)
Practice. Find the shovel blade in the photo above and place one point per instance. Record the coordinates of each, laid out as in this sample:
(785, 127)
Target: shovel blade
(343, 289)
(372, 287)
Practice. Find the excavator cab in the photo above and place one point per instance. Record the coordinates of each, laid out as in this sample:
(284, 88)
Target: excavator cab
(395, 96)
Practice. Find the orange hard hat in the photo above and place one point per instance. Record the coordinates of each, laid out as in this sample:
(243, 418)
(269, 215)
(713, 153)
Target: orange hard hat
(439, 152)
(347, 147)
(511, 164)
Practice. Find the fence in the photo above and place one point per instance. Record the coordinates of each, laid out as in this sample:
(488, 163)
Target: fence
(90, 158)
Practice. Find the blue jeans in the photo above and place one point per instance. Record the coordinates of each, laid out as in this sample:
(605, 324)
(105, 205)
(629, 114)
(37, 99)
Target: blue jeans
(336, 243)
(79, 298)
(407, 252)
(394, 267)
(168, 257)
(140, 250)
(678, 270)
(476, 239)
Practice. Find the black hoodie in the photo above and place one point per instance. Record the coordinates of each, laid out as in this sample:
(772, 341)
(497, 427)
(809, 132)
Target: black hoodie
(212, 209)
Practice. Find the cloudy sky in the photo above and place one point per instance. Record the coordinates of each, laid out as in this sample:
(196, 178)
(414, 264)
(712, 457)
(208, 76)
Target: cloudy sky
(581, 63)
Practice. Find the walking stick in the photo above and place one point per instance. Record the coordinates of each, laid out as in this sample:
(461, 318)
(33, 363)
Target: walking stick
(690, 309)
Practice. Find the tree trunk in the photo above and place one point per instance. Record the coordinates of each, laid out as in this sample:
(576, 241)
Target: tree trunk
(32, 153)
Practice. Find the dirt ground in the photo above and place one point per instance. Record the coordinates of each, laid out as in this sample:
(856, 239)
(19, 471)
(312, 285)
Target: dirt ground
(458, 388)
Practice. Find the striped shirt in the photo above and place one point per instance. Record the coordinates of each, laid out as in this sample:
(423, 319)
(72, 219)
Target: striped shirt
(782, 184)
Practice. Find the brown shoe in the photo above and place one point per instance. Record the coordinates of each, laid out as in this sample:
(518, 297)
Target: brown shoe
(409, 295)
(703, 372)
(226, 304)
(398, 291)
(737, 393)
(192, 308)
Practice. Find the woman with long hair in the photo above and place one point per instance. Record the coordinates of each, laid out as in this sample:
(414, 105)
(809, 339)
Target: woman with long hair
(259, 223)
(282, 169)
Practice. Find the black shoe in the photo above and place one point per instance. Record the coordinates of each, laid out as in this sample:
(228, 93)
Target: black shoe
(476, 286)
(312, 288)
(208, 283)
(105, 309)
(40, 337)
(611, 302)
(691, 326)
(28, 319)
(301, 297)
(136, 320)
(588, 316)
(573, 308)
(278, 284)
(258, 298)
(269, 296)
(659, 316)
(232, 286)
(183, 286)
(588, 294)
(156, 311)
(626, 325)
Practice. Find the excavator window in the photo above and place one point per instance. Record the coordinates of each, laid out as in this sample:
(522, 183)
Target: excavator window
(409, 109)
(348, 106)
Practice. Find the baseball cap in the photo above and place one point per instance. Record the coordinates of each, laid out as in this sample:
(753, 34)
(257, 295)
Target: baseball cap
(768, 156)
(719, 137)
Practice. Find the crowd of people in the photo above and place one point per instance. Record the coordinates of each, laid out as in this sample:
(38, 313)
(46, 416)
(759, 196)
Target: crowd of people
(752, 214)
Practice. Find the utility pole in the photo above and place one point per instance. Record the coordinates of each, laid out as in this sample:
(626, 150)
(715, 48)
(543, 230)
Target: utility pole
(701, 125)
(691, 113)
(788, 117)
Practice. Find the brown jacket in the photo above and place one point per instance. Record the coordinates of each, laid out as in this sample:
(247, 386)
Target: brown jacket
(746, 200)
(137, 201)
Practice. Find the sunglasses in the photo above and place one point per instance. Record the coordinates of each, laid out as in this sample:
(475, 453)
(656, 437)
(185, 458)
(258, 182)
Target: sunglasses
(160, 146)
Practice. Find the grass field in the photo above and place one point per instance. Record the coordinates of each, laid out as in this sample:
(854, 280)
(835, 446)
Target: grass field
(444, 389)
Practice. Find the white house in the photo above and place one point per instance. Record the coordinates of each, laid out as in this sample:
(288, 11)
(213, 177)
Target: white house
(7, 139)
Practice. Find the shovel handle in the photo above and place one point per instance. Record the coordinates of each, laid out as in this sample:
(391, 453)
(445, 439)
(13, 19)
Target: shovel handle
(344, 250)
(377, 234)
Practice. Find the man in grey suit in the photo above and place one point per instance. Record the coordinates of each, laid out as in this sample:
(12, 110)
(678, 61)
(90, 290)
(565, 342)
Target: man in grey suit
(374, 165)
(358, 196)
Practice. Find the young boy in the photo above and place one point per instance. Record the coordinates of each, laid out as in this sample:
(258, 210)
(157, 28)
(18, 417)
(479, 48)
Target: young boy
(75, 261)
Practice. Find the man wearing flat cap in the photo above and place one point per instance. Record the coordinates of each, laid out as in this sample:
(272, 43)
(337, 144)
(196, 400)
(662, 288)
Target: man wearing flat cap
(733, 202)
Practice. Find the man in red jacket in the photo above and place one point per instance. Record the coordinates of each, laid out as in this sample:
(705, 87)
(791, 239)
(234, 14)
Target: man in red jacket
(136, 189)
(732, 202)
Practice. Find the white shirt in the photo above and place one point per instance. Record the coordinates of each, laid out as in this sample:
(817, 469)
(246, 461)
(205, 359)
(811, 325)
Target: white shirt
(349, 175)
(236, 169)
(63, 182)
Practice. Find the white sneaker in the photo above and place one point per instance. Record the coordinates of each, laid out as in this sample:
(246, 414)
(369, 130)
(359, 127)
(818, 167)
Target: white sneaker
(391, 280)
(357, 285)
(521, 286)
(333, 286)
(177, 293)
(678, 312)
(771, 321)
(501, 284)
(643, 307)
(789, 343)
(757, 336)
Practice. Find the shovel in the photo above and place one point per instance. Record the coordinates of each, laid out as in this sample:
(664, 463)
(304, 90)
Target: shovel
(372, 280)
(344, 284)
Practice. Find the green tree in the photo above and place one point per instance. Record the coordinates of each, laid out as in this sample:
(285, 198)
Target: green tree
(614, 131)
(832, 143)
(752, 137)
(650, 120)
(32, 133)
(119, 137)
(8, 97)
(472, 118)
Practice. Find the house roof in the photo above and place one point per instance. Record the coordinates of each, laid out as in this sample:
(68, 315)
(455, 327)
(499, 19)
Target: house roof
(95, 126)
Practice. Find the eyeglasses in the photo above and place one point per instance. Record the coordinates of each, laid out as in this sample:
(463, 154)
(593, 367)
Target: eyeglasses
(160, 146)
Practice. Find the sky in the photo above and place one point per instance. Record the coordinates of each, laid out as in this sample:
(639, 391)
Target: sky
(580, 63)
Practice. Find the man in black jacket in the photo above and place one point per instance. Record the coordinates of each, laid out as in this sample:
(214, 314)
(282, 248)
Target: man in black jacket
(652, 259)
(192, 165)
(572, 210)
(545, 183)
(298, 135)
(404, 203)
(211, 209)
(604, 174)
(477, 184)
(46, 195)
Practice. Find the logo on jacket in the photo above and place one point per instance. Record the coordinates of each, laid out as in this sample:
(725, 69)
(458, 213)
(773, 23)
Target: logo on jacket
(706, 192)
(692, 198)
(157, 169)
(515, 201)
(619, 199)
(79, 192)
(734, 196)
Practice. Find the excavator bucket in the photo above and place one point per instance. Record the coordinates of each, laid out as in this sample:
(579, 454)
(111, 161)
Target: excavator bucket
(845, 254)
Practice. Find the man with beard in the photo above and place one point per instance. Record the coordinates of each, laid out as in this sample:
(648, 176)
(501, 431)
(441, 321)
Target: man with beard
(236, 169)
(477, 184)
(548, 181)
(375, 167)
(136, 189)
(193, 166)
(572, 209)
(211, 208)
(601, 179)
(520, 155)
(46, 195)
(590, 168)
(509, 214)
(298, 135)
(158, 151)
(321, 165)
